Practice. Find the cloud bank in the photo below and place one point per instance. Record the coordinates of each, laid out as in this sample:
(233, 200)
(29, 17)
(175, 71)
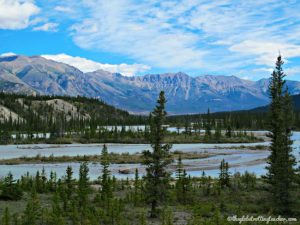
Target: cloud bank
(87, 65)
(15, 14)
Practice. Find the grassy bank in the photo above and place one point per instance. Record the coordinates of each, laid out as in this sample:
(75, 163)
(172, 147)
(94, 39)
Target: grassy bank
(140, 138)
(123, 158)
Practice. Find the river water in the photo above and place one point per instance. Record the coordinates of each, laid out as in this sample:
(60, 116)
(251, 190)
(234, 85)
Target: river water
(240, 160)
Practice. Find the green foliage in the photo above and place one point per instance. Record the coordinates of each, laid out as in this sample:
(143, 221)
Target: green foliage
(182, 183)
(224, 176)
(69, 182)
(6, 217)
(10, 189)
(157, 177)
(281, 162)
(167, 217)
(83, 185)
(32, 211)
(106, 182)
(47, 119)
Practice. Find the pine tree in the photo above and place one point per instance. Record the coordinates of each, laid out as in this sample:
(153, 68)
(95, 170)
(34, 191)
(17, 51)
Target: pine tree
(136, 187)
(156, 161)
(69, 182)
(181, 182)
(10, 189)
(32, 210)
(83, 184)
(224, 176)
(52, 181)
(56, 214)
(281, 173)
(106, 190)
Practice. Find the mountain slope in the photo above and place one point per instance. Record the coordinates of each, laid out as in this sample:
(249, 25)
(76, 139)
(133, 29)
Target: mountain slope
(185, 94)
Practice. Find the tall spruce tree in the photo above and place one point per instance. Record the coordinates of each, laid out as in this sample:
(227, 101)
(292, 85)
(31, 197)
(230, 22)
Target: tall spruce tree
(224, 176)
(106, 190)
(281, 172)
(156, 161)
(136, 187)
(83, 184)
(69, 182)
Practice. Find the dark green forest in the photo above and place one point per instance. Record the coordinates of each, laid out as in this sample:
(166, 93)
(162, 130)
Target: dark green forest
(254, 119)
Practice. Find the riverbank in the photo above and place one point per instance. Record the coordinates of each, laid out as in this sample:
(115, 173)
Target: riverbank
(140, 138)
(124, 158)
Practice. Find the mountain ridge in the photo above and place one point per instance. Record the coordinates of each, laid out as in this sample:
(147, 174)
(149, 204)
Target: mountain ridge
(137, 94)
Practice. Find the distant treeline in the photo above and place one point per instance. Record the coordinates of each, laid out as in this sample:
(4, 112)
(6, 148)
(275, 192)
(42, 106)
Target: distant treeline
(255, 119)
(33, 114)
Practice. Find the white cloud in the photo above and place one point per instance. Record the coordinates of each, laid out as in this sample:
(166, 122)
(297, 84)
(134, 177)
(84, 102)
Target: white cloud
(292, 72)
(87, 65)
(48, 27)
(265, 52)
(197, 36)
(191, 34)
(7, 54)
(141, 31)
(15, 14)
(63, 9)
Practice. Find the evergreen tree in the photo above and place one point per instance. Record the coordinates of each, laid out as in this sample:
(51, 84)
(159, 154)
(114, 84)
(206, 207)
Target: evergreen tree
(281, 172)
(182, 182)
(56, 217)
(83, 184)
(69, 182)
(106, 189)
(229, 131)
(224, 176)
(10, 189)
(32, 210)
(156, 161)
(52, 181)
(136, 187)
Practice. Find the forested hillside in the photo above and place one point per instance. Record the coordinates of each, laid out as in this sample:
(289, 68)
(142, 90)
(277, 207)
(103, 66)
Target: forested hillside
(254, 119)
(58, 114)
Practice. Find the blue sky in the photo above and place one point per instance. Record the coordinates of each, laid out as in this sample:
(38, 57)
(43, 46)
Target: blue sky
(136, 37)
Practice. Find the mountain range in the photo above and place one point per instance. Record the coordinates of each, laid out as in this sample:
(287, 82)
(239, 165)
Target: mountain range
(137, 94)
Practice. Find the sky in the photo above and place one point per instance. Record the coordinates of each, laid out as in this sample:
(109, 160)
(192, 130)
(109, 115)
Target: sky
(136, 37)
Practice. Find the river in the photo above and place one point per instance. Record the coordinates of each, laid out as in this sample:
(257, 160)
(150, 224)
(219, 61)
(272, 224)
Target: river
(239, 160)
